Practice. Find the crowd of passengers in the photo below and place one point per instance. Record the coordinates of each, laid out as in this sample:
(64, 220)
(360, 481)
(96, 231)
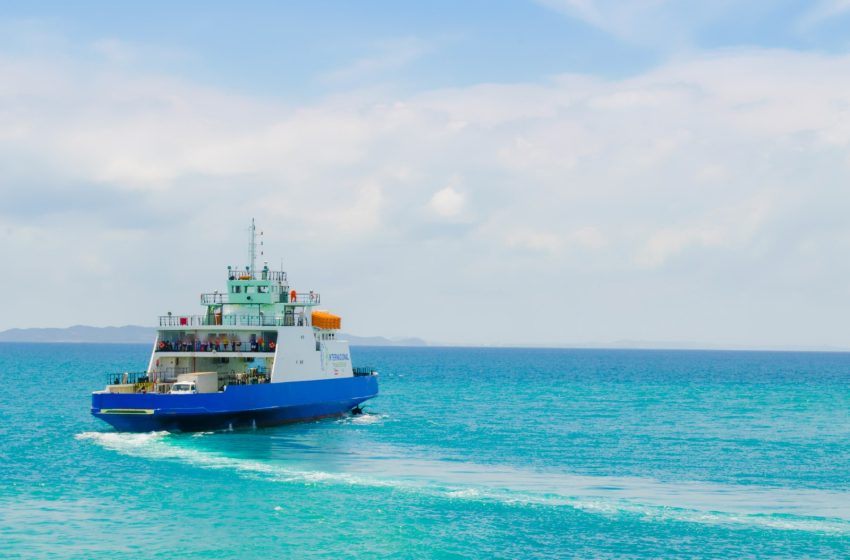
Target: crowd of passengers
(216, 345)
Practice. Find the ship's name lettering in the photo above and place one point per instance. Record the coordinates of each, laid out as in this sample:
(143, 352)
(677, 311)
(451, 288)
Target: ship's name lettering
(338, 356)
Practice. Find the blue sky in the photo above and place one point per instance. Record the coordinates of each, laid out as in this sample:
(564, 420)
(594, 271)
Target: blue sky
(565, 171)
(301, 49)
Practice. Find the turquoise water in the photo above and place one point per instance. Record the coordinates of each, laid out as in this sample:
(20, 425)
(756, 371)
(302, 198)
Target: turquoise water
(467, 453)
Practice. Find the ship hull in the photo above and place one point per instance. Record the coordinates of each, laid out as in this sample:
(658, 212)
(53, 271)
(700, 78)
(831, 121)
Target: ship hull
(238, 406)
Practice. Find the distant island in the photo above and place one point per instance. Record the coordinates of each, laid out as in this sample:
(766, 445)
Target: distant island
(133, 334)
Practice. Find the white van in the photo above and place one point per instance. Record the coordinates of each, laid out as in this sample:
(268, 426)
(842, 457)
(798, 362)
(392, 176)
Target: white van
(184, 388)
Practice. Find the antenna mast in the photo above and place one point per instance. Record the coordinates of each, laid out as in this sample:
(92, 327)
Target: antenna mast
(252, 247)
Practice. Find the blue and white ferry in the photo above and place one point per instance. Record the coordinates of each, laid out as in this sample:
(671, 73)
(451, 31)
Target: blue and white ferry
(261, 354)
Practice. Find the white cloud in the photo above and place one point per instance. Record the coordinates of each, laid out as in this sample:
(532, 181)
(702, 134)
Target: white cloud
(391, 54)
(114, 50)
(361, 217)
(533, 240)
(732, 227)
(734, 162)
(588, 237)
(447, 202)
(824, 10)
(650, 22)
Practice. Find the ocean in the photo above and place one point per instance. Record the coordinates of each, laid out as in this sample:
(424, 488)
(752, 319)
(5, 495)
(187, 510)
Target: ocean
(466, 453)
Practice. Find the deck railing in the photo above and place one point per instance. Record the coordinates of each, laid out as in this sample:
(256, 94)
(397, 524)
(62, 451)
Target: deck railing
(245, 274)
(128, 377)
(217, 298)
(135, 377)
(213, 298)
(215, 346)
(230, 320)
(168, 373)
(242, 378)
(308, 298)
(160, 381)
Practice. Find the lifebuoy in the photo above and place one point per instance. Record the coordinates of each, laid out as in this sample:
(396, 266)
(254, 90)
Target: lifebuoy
(161, 345)
(271, 345)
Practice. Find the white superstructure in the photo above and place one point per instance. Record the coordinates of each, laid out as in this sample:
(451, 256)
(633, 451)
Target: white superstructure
(259, 331)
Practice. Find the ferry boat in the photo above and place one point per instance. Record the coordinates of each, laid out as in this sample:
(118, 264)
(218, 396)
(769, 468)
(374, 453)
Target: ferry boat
(261, 354)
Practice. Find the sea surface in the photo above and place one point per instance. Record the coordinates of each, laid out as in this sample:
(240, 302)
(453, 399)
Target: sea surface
(467, 453)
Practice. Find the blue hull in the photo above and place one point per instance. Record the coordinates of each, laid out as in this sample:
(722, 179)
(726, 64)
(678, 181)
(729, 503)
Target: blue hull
(237, 406)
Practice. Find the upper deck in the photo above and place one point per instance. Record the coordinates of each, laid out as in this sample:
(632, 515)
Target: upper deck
(233, 320)
(253, 299)
(247, 295)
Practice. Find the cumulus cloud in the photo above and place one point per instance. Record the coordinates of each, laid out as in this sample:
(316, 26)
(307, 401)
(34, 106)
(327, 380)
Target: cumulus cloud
(672, 178)
(447, 203)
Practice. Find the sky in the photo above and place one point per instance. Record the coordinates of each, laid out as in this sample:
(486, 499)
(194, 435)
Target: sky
(550, 172)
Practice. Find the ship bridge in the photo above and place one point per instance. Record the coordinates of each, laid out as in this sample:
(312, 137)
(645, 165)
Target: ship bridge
(253, 298)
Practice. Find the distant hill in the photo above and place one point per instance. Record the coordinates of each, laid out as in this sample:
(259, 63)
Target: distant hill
(380, 340)
(137, 334)
(81, 333)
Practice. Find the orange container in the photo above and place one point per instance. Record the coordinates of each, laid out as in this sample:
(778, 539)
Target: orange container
(325, 320)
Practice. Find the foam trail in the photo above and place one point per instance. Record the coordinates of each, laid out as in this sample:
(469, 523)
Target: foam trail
(119, 441)
(363, 419)
(645, 499)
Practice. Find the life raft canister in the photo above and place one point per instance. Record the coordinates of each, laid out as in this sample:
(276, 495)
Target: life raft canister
(292, 296)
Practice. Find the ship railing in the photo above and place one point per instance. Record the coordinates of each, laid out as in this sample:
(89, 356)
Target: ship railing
(131, 377)
(160, 380)
(128, 378)
(213, 346)
(247, 274)
(242, 378)
(184, 321)
(363, 371)
(222, 298)
(309, 297)
(168, 373)
(213, 298)
(253, 320)
(224, 320)
(145, 382)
